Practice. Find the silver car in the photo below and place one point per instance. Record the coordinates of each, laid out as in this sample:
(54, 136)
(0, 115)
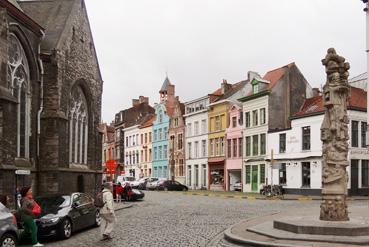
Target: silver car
(8, 228)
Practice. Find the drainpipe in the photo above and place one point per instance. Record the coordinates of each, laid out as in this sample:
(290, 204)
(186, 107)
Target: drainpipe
(40, 110)
(367, 64)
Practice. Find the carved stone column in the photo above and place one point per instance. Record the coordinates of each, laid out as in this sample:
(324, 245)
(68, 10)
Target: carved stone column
(334, 135)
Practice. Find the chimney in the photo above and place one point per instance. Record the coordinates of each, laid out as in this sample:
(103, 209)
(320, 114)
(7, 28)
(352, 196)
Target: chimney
(225, 86)
(143, 99)
(316, 92)
(135, 102)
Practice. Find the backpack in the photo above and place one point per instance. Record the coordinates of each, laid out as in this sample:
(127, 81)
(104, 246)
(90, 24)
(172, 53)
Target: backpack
(99, 201)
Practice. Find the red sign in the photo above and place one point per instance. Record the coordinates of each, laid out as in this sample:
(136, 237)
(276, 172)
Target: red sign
(122, 172)
(111, 165)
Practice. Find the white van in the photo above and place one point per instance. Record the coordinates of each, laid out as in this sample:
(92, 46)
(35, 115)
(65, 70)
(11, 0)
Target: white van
(123, 179)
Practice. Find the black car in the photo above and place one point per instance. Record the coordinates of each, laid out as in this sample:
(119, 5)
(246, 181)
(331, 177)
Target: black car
(171, 185)
(8, 228)
(61, 215)
(134, 195)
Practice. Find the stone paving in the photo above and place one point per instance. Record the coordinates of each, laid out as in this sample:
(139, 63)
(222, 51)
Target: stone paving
(175, 219)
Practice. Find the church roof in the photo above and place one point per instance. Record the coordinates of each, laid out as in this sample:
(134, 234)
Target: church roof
(53, 15)
(165, 85)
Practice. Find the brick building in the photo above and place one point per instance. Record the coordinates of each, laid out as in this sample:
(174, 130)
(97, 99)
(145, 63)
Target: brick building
(50, 97)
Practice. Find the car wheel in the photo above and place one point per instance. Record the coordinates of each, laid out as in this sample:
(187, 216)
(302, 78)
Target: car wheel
(65, 230)
(97, 218)
(184, 189)
(8, 240)
(165, 189)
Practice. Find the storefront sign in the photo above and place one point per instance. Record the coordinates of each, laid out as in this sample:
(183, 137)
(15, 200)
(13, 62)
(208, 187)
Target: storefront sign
(23, 172)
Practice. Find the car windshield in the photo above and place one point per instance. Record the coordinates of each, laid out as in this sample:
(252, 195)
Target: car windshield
(130, 179)
(49, 204)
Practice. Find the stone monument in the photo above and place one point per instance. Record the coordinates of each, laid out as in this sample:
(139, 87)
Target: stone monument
(334, 135)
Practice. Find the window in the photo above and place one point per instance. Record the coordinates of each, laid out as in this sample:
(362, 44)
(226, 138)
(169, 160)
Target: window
(234, 122)
(229, 148)
(255, 118)
(262, 144)
(181, 168)
(145, 138)
(176, 122)
(306, 174)
(150, 155)
(160, 154)
(165, 133)
(204, 176)
(255, 145)
(203, 144)
(234, 148)
(180, 141)
(189, 150)
(248, 145)
(189, 129)
(262, 116)
(354, 134)
(196, 149)
(150, 137)
(247, 119)
(255, 88)
(155, 153)
(217, 146)
(212, 147)
(222, 146)
(160, 116)
(142, 140)
(262, 173)
(203, 126)
(282, 143)
(248, 174)
(306, 138)
(365, 173)
(127, 142)
(363, 134)
(240, 147)
(196, 128)
(282, 174)
(165, 152)
(78, 127)
(155, 135)
(18, 83)
(217, 123)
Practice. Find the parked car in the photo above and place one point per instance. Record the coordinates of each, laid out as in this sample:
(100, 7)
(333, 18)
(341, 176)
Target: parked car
(135, 184)
(8, 228)
(143, 184)
(171, 185)
(237, 186)
(61, 215)
(154, 183)
(123, 179)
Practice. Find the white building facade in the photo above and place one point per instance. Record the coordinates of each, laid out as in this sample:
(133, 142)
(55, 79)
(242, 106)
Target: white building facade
(297, 160)
(132, 151)
(145, 150)
(196, 117)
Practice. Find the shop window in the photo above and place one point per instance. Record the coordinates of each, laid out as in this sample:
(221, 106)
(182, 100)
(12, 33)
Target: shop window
(282, 174)
(306, 174)
(365, 173)
(248, 174)
(262, 173)
(217, 176)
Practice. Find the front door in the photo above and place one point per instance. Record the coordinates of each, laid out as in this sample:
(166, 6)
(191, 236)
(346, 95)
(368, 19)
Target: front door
(354, 177)
(254, 178)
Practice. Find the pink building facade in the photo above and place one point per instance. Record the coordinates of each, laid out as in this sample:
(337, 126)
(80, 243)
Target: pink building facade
(234, 147)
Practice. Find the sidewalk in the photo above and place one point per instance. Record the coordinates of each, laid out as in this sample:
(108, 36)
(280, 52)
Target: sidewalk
(255, 196)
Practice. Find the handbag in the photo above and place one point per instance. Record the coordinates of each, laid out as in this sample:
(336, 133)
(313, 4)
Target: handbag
(36, 210)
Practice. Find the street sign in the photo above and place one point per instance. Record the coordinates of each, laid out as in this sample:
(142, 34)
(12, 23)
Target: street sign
(23, 172)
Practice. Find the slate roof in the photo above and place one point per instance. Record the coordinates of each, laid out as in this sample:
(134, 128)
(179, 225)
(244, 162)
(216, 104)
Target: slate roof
(135, 115)
(235, 88)
(52, 15)
(165, 85)
(149, 122)
(360, 77)
(313, 106)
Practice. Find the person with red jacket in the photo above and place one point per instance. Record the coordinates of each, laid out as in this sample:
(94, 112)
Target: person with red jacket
(118, 192)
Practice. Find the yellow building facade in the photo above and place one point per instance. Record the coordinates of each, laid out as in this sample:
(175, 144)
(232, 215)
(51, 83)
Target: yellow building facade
(218, 121)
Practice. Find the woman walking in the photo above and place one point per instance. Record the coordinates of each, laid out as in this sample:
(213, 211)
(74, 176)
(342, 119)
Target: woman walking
(29, 209)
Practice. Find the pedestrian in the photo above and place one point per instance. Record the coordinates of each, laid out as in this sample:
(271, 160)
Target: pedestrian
(107, 212)
(28, 211)
(118, 192)
(127, 191)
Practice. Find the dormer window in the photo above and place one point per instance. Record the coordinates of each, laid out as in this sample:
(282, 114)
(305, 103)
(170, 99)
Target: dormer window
(255, 88)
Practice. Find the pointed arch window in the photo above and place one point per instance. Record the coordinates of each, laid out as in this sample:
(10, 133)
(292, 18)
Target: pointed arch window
(19, 86)
(78, 127)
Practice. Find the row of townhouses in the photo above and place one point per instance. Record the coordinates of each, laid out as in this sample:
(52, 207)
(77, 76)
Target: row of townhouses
(260, 131)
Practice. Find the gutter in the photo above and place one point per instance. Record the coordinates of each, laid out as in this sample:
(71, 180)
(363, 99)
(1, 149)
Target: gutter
(41, 95)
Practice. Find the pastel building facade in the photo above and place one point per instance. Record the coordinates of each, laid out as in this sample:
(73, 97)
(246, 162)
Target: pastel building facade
(196, 118)
(132, 151)
(146, 147)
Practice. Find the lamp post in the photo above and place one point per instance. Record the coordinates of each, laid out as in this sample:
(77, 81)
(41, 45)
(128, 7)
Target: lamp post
(367, 65)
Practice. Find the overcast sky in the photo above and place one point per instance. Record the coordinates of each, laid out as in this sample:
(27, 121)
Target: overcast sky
(200, 42)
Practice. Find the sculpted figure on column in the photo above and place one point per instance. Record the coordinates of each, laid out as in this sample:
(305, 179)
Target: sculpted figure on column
(334, 135)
